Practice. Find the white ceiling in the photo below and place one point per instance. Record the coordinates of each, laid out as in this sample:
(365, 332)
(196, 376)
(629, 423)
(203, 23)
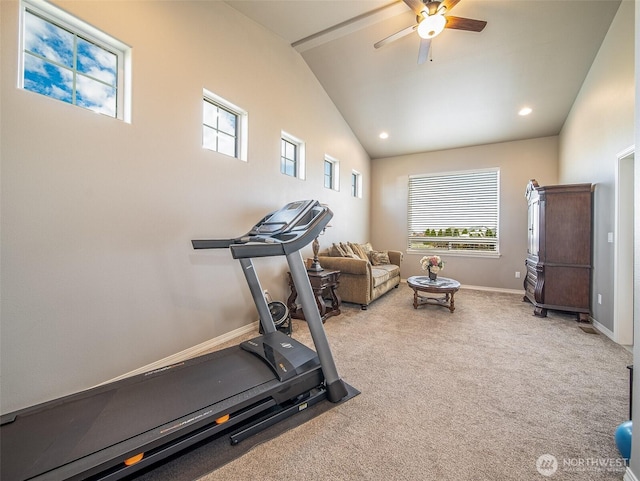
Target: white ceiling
(532, 52)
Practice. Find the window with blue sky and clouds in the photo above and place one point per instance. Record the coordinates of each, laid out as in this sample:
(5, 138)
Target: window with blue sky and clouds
(63, 65)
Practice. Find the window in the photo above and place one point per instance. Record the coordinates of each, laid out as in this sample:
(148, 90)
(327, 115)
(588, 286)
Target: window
(455, 212)
(219, 129)
(356, 184)
(289, 158)
(68, 60)
(331, 173)
(292, 152)
(224, 126)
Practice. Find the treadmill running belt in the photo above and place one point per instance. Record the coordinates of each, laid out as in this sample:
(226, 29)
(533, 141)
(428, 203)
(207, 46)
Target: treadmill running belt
(43, 440)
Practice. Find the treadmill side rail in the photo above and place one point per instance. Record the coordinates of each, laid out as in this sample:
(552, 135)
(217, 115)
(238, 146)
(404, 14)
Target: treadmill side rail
(271, 419)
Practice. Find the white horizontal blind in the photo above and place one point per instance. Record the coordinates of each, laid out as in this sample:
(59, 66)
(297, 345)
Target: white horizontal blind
(454, 211)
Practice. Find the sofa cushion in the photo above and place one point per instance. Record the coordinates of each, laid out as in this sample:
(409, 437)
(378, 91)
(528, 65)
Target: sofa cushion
(383, 273)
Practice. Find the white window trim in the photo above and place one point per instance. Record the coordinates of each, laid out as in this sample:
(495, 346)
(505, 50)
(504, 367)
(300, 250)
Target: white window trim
(336, 172)
(301, 166)
(243, 122)
(68, 21)
(462, 253)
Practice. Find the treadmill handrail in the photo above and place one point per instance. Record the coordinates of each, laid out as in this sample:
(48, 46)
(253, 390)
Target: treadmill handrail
(212, 243)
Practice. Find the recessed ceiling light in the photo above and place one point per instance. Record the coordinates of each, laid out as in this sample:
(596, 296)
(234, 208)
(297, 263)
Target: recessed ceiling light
(525, 111)
(384, 135)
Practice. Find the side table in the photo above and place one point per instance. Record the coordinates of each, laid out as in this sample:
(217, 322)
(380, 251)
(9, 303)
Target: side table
(323, 283)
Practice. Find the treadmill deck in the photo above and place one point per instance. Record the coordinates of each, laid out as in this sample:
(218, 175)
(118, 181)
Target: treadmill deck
(123, 416)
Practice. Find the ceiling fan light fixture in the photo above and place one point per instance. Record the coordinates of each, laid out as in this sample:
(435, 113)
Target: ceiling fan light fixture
(431, 26)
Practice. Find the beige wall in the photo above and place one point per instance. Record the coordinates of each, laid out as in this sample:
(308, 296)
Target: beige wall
(518, 162)
(98, 274)
(599, 127)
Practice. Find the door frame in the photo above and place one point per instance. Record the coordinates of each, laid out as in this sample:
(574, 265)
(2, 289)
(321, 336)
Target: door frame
(623, 248)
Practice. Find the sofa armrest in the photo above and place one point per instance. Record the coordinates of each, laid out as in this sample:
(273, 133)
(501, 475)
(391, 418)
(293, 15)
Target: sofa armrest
(395, 257)
(346, 265)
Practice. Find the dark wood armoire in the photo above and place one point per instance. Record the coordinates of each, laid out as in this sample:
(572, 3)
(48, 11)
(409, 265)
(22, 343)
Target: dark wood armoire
(558, 263)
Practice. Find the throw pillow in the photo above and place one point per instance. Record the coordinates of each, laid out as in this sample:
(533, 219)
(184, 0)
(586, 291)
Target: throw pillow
(359, 251)
(348, 250)
(379, 258)
(336, 251)
(367, 247)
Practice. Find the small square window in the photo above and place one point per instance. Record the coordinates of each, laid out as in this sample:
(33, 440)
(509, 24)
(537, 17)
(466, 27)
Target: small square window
(224, 126)
(68, 60)
(356, 184)
(219, 129)
(331, 173)
(292, 161)
(288, 158)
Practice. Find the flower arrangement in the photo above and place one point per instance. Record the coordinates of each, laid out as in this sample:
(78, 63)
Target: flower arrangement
(432, 264)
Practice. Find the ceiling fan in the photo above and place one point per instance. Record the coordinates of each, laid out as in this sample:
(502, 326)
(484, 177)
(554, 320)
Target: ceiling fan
(432, 20)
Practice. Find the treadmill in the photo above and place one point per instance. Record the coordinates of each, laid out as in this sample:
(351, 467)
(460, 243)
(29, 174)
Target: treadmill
(114, 430)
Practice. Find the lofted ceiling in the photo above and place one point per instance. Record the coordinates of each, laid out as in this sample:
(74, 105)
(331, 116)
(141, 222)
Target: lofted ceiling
(532, 53)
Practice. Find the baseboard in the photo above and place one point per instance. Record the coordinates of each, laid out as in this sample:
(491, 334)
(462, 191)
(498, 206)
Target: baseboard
(189, 353)
(493, 289)
(607, 332)
(629, 476)
(484, 288)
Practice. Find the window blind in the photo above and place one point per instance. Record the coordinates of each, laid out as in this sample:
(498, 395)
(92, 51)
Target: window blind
(454, 211)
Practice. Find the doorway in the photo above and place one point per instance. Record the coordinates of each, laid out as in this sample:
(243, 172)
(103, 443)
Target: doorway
(623, 249)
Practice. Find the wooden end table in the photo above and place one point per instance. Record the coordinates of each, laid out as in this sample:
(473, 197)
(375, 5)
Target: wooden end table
(442, 285)
(324, 283)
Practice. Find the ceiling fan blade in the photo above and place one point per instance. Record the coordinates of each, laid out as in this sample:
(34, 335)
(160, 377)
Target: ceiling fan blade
(395, 36)
(416, 5)
(449, 4)
(423, 53)
(460, 23)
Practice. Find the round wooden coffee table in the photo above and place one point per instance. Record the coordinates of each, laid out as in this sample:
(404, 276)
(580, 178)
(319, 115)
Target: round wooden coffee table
(442, 285)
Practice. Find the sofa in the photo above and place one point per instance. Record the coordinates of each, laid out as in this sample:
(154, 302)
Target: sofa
(365, 274)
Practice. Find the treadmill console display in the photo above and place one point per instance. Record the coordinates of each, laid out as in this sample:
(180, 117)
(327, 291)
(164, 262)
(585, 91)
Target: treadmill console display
(279, 233)
(285, 219)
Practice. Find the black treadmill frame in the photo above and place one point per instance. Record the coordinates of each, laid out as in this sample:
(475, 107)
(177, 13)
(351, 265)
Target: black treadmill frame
(259, 406)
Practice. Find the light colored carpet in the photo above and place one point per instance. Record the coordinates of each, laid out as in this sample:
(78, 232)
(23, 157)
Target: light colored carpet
(479, 394)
